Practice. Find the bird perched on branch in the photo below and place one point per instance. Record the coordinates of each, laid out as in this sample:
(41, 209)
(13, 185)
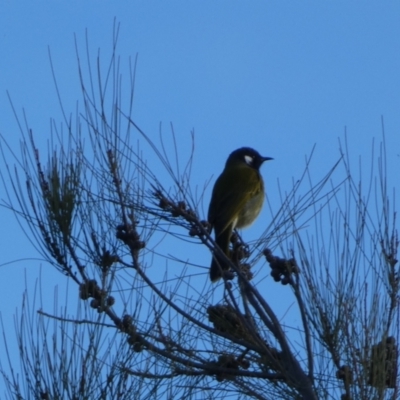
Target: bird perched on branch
(236, 201)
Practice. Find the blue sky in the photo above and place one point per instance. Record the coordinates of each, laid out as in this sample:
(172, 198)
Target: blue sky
(278, 76)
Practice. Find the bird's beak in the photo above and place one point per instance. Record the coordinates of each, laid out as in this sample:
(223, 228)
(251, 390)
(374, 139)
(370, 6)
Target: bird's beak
(267, 158)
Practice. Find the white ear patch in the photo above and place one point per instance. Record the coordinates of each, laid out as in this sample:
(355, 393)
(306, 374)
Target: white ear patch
(248, 160)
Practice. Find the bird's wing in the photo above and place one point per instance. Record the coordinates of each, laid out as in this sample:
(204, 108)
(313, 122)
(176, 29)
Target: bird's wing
(232, 196)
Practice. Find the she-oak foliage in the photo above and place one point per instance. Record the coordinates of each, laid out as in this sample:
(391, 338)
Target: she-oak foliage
(148, 323)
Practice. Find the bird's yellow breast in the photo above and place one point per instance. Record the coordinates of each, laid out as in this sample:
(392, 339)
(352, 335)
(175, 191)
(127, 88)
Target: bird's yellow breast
(251, 210)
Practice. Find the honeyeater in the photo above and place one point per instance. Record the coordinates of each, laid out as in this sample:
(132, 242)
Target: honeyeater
(236, 200)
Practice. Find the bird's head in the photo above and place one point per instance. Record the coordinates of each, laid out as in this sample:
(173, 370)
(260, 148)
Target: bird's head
(247, 155)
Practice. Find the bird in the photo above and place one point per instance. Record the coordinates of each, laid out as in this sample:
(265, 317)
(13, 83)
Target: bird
(236, 201)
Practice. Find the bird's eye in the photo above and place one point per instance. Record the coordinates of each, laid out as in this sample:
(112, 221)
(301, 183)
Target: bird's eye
(248, 160)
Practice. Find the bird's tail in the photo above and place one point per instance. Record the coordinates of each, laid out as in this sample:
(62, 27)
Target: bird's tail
(219, 264)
